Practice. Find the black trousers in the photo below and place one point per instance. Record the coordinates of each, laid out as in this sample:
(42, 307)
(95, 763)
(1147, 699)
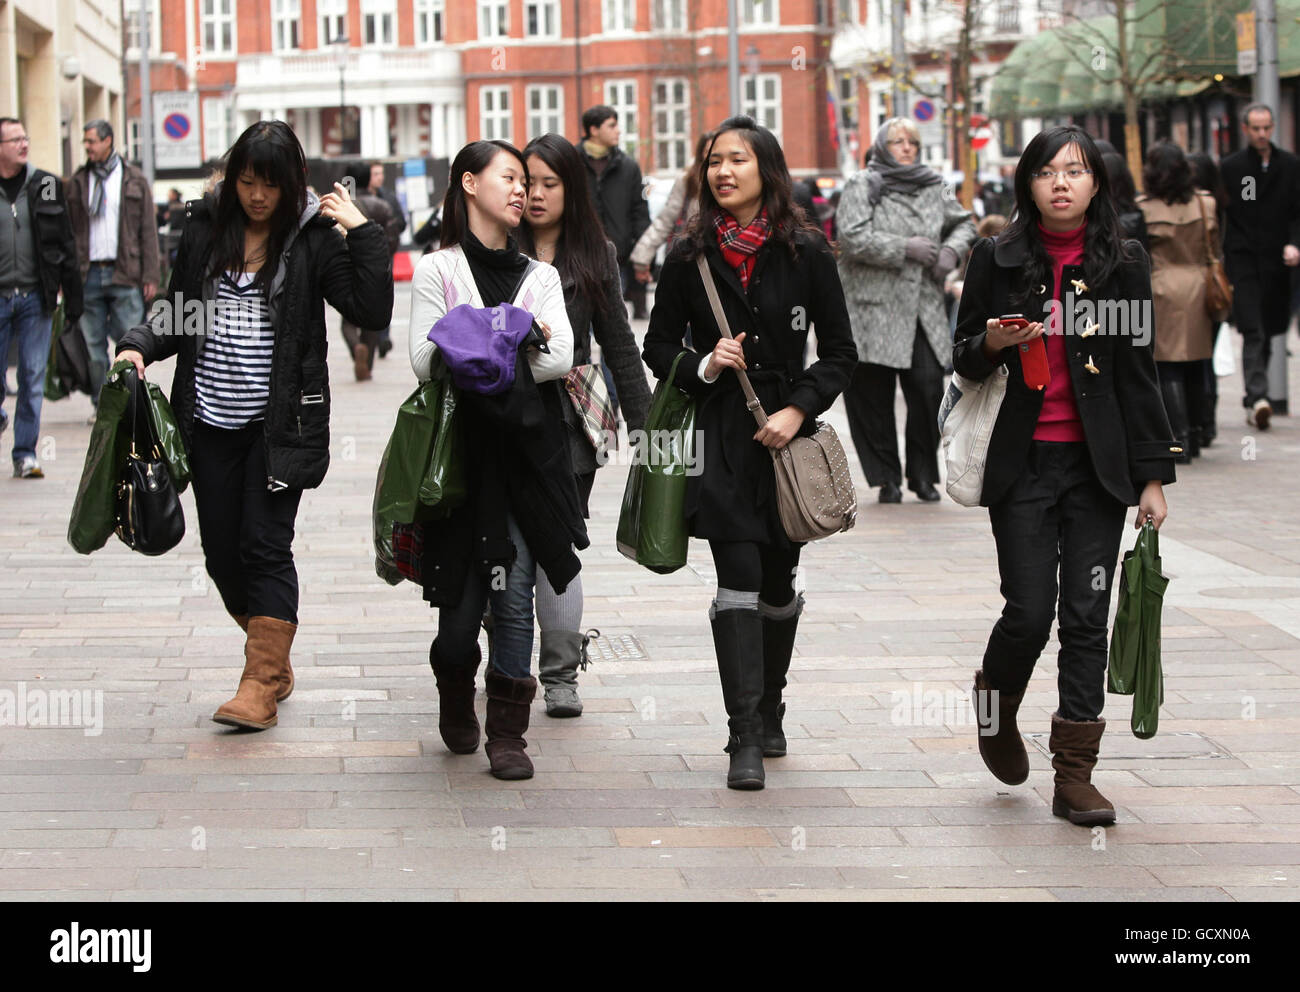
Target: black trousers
(748, 567)
(1057, 518)
(1182, 385)
(869, 401)
(353, 336)
(246, 530)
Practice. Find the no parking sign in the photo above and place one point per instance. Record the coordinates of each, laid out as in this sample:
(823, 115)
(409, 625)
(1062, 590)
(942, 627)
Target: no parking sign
(176, 130)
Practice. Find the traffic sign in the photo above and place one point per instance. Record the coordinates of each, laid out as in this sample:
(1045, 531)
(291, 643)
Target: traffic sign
(923, 111)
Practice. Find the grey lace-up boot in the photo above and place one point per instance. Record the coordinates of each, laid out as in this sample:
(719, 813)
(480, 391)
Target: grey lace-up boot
(561, 654)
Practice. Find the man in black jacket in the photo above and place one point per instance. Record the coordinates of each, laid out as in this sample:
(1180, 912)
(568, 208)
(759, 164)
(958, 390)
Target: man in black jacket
(38, 256)
(617, 194)
(1260, 248)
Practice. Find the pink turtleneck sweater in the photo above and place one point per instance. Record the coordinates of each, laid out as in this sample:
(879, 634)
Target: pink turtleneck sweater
(1059, 418)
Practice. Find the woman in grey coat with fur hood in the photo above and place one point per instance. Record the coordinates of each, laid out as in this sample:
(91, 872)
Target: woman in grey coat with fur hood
(900, 233)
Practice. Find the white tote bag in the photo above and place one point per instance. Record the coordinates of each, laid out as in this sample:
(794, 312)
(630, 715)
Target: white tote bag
(966, 418)
(1225, 361)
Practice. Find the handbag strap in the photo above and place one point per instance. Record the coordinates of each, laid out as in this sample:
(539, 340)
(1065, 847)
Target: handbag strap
(724, 328)
(1205, 227)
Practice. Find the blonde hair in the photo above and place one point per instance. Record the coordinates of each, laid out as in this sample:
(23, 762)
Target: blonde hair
(907, 124)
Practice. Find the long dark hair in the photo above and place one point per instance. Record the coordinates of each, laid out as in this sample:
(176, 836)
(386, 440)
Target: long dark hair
(778, 200)
(1103, 247)
(270, 151)
(581, 251)
(473, 158)
(1167, 175)
(1122, 187)
(693, 174)
(1206, 177)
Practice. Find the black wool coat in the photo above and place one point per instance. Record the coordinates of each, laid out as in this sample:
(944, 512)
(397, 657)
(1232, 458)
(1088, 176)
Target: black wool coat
(733, 498)
(617, 195)
(1124, 420)
(318, 266)
(1263, 214)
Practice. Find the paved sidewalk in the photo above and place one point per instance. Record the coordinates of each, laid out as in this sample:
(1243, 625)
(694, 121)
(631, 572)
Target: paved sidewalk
(353, 797)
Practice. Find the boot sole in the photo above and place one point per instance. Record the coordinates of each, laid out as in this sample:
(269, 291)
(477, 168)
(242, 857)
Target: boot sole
(774, 752)
(1085, 817)
(563, 712)
(747, 784)
(513, 774)
(238, 721)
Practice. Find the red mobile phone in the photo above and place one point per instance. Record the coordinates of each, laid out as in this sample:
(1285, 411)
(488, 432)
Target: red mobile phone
(1033, 354)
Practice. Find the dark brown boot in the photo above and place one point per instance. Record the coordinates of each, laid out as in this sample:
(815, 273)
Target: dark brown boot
(457, 722)
(1001, 746)
(1074, 745)
(508, 702)
(266, 660)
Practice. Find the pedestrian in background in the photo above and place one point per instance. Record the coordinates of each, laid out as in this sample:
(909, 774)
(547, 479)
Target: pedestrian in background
(1132, 219)
(38, 258)
(900, 234)
(1206, 173)
(111, 207)
(377, 188)
(1180, 222)
(1261, 245)
(251, 394)
(364, 343)
(776, 279)
(1064, 461)
(674, 217)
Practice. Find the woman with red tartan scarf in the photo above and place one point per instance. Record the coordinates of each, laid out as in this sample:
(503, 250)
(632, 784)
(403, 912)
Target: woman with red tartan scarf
(776, 278)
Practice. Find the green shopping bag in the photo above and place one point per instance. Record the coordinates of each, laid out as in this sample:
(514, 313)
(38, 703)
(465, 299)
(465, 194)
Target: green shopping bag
(165, 429)
(55, 387)
(94, 511)
(443, 487)
(1134, 668)
(423, 475)
(652, 522)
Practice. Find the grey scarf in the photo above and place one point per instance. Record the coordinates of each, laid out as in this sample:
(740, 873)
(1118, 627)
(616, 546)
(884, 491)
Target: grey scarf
(884, 173)
(102, 171)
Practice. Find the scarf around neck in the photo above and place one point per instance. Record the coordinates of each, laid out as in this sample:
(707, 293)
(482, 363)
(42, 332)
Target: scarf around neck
(102, 171)
(884, 172)
(740, 245)
(594, 148)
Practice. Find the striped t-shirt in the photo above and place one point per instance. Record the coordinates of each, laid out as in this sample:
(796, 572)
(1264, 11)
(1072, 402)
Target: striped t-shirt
(233, 370)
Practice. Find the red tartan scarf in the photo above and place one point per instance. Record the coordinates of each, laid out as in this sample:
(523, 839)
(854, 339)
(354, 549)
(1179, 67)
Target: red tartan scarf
(739, 245)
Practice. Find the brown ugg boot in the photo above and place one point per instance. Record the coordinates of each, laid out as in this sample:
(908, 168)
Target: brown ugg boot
(1001, 747)
(457, 722)
(508, 702)
(284, 680)
(1074, 745)
(266, 662)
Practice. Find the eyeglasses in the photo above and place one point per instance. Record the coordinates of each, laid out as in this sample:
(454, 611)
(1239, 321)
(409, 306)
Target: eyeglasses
(22, 139)
(1074, 175)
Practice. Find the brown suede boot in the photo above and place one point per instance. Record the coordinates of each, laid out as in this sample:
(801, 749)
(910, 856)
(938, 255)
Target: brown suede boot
(1001, 747)
(508, 702)
(457, 722)
(285, 679)
(266, 661)
(1074, 745)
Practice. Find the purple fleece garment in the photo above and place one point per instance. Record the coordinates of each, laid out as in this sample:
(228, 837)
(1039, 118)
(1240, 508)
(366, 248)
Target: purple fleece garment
(479, 345)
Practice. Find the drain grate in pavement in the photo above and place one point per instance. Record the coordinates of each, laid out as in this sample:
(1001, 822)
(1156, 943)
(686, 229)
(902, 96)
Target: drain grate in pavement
(1120, 745)
(620, 647)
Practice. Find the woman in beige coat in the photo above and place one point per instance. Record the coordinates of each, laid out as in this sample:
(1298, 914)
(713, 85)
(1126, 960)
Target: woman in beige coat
(1177, 218)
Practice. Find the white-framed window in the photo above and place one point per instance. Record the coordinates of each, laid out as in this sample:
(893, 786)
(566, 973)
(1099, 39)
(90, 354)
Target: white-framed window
(545, 110)
(379, 22)
(132, 28)
(430, 21)
(333, 17)
(541, 18)
(493, 19)
(618, 15)
(217, 27)
(672, 133)
(760, 98)
(847, 11)
(668, 15)
(760, 13)
(848, 100)
(286, 25)
(494, 113)
(218, 126)
(621, 95)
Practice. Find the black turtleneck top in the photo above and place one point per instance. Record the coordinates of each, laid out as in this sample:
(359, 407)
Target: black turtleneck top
(496, 271)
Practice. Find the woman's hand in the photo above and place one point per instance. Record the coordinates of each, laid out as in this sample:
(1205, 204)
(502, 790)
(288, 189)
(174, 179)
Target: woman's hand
(134, 357)
(921, 249)
(338, 206)
(642, 273)
(546, 328)
(781, 428)
(1151, 506)
(728, 354)
(997, 337)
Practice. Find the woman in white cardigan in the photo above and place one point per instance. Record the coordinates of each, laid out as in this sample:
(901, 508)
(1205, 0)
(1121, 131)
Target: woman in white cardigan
(488, 551)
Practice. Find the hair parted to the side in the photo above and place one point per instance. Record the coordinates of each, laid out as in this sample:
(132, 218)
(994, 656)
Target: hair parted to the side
(473, 158)
(101, 127)
(785, 216)
(270, 151)
(581, 251)
(596, 116)
(1103, 247)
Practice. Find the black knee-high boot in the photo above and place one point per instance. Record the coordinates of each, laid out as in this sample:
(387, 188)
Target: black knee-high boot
(779, 627)
(738, 643)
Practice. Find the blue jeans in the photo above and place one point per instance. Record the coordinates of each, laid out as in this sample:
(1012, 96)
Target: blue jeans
(110, 312)
(21, 315)
(512, 614)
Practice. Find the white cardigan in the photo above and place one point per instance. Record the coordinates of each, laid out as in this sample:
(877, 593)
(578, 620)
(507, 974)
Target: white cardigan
(443, 280)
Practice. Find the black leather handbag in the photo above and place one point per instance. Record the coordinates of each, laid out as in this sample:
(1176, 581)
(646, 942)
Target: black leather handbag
(149, 515)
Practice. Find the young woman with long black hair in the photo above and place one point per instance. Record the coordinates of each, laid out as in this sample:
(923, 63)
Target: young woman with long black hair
(776, 278)
(1064, 461)
(522, 513)
(251, 395)
(562, 228)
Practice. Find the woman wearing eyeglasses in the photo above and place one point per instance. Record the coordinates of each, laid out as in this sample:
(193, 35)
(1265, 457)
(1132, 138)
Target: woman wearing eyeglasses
(1064, 461)
(900, 234)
